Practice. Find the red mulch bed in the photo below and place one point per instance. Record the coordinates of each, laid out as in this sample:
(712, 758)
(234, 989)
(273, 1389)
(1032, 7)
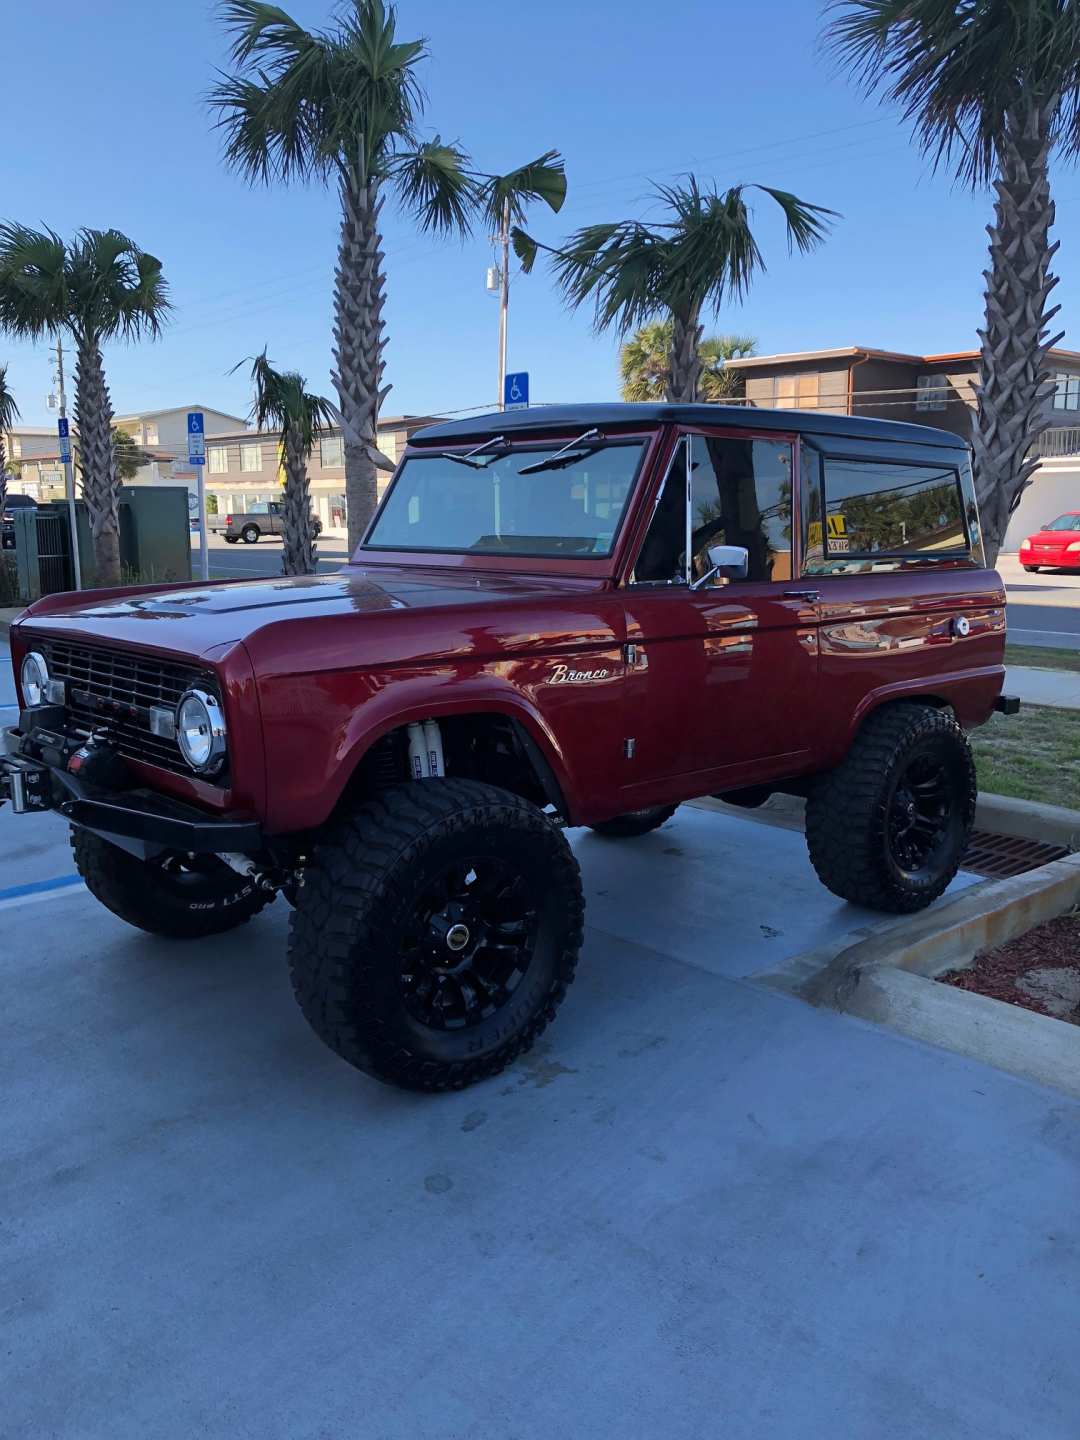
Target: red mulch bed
(1052, 945)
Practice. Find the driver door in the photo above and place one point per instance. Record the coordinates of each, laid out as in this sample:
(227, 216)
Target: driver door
(722, 675)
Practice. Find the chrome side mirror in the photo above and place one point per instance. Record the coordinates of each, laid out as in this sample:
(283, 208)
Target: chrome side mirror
(732, 562)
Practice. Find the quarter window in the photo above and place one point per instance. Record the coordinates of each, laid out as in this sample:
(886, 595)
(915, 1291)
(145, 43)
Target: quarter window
(876, 509)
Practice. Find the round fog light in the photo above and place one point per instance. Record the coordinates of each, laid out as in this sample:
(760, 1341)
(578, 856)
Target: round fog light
(200, 730)
(33, 677)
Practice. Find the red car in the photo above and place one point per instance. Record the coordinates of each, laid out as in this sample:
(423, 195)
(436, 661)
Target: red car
(1057, 546)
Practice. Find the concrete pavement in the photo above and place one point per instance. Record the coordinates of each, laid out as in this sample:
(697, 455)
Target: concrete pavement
(1036, 686)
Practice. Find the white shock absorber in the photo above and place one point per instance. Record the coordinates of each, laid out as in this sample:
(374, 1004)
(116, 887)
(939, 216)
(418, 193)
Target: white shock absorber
(433, 747)
(417, 751)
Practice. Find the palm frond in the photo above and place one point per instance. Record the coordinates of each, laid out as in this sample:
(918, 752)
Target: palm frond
(282, 402)
(33, 281)
(957, 69)
(115, 289)
(541, 179)
(436, 187)
(9, 411)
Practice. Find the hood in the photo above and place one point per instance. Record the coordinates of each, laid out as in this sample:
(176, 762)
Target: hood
(193, 619)
(1055, 537)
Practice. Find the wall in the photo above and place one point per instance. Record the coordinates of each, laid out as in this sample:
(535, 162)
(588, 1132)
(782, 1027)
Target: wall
(1055, 489)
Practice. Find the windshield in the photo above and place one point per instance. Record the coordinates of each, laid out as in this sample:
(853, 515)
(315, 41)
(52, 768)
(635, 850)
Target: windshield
(437, 503)
(1065, 522)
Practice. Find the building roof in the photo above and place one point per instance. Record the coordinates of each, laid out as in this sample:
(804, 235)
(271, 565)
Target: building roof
(846, 352)
(176, 410)
(569, 417)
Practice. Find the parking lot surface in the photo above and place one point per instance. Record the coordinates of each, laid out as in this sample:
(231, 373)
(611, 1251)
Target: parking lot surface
(697, 1208)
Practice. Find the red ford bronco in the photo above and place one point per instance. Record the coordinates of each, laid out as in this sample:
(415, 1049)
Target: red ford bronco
(571, 616)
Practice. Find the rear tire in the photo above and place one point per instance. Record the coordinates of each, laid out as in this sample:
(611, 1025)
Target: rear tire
(436, 933)
(635, 822)
(249, 534)
(888, 827)
(182, 900)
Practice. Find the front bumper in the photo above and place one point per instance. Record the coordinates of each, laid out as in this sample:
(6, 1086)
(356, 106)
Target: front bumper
(35, 776)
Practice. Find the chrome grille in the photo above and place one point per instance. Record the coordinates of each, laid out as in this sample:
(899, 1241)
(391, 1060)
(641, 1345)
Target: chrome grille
(114, 690)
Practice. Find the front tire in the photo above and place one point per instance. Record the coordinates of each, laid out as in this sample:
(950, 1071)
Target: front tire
(635, 822)
(1033, 569)
(184, 898)
(436, 933)
(888, 827)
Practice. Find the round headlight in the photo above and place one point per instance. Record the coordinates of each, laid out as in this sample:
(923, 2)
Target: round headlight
(33, 677)
(200, 730)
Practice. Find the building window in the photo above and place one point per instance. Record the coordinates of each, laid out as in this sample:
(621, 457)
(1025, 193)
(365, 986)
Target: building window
(217, 460)
(797, 392)
(16, 447)
(151, 435)
(931, 392)
(1066, 391)
(250, 457)
(330, 451)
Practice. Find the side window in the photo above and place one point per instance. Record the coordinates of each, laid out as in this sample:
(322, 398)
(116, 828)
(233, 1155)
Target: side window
(877, 511)
(662, 558)
(740, 494)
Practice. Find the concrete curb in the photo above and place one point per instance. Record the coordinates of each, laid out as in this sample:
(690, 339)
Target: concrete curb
(1001, 814)
(887, 978)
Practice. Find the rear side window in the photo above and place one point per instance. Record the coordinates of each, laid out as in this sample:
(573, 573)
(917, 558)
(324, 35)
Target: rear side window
(878, 511)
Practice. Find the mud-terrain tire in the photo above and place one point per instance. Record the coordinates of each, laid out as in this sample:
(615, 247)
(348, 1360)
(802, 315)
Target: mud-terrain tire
(888, 827)
(635, 822)
(387, 896)
(249, 534)
(183, 902)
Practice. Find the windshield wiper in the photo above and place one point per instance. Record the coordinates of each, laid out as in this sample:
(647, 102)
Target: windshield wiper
(468, 457)
(567, 455)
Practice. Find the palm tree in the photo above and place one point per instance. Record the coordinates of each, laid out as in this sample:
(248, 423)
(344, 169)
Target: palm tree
(9, 413)
(284, 403)
(992, 89)
(645, 358)
(344, 105)
(129, 457)
(99, 286)
(633, 273)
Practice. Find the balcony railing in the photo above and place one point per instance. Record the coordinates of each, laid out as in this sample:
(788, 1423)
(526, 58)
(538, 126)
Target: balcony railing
(1063, 440)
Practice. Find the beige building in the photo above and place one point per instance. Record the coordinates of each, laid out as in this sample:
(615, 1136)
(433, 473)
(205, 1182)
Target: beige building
(243, 468)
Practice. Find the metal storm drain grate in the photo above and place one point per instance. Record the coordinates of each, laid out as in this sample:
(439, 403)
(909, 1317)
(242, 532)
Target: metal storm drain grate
(999, 856)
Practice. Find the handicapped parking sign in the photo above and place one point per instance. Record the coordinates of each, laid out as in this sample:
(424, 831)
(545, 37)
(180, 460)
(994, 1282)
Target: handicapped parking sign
(516, 390)
(196, 439)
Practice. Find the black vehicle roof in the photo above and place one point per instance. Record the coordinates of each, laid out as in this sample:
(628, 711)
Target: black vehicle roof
(567, 417)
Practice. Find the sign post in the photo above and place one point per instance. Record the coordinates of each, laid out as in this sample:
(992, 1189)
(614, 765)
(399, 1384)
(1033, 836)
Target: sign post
(516, 390)
(196, 454)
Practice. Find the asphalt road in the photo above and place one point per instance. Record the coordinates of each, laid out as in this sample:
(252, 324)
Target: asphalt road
(1043, 609)
(241, 562)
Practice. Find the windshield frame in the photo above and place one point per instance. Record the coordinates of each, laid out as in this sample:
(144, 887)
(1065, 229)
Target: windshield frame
(583, 564)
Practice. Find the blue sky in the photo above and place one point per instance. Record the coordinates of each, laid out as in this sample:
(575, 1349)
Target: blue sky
(105, 122)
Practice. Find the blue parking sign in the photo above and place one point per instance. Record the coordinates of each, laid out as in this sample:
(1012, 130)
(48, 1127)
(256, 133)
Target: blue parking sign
(196, 439)
(516, 390)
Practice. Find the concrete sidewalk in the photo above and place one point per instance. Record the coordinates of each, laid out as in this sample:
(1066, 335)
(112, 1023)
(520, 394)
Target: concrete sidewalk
(1036, 686)
(697, 1208)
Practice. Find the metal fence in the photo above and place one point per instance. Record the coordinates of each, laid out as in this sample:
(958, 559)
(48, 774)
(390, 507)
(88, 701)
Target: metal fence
(42, 551)
(1063, 440)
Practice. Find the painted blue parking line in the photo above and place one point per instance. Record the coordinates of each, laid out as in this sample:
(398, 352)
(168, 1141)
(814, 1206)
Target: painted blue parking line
(38, 887)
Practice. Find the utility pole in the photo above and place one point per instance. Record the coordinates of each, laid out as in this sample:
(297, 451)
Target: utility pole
(69, 469)
(504, 297)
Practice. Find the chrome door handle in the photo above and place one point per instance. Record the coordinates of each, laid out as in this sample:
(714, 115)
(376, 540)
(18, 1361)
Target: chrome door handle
(802, 594)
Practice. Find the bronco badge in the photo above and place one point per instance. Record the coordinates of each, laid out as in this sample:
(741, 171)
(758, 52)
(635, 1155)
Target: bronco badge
(563, 675)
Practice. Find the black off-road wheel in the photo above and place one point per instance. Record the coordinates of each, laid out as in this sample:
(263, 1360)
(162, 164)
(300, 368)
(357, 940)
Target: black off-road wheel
(436, 933)
(635, 822)
(182, 897)
(888, 827)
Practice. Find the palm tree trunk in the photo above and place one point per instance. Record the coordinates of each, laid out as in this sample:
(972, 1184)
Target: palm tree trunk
(101, 486)
(358, 346)
(1011, 411)
(298, 556)
(684, 367)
